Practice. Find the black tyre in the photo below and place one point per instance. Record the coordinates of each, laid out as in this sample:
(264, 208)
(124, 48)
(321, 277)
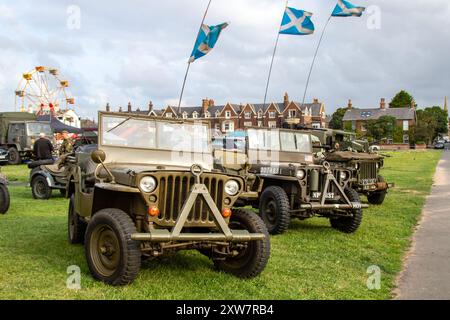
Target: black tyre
(348, 224)
(377, 197)
(111, 255)
(14, 156)
(252, 260)
(4, 198)
(40, 188)
(274, 209)
(76, 227)
(62, 192)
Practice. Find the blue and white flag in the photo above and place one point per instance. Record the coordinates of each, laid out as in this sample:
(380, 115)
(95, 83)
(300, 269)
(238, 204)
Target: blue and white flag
(296, 22)
(346, 9)
(206, 40)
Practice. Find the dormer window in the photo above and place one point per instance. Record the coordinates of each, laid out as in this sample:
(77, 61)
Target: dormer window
(195, 115)
(185, 115)
(217, 114)
(228, 114)
(247, 115)
(272, 114)
(207, 115)
(260, 114)
(168, 114)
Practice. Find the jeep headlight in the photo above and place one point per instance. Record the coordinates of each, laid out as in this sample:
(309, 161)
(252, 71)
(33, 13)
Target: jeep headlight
(301, 174)
(343, 175)
(232, 188)
(356, 166)
(147, 184)
(377, 165)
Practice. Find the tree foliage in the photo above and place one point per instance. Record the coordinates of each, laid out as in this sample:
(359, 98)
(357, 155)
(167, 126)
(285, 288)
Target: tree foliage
(430, 123)
(382, 128)
(401, 100)
(336, 120)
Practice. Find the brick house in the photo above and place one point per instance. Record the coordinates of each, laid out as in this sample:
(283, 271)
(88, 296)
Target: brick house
(356, 119)
(231, 117)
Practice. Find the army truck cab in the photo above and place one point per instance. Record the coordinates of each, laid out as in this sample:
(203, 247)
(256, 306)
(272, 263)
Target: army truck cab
(279, 168)
(18, 131)
(150, 190)
(344, 150)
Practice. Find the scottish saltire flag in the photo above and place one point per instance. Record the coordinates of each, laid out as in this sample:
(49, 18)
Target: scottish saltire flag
(346, 9)
(206, 40)
(296, 22)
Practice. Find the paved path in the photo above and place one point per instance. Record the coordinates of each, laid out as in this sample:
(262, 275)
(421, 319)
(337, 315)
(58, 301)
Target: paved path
(427, 269)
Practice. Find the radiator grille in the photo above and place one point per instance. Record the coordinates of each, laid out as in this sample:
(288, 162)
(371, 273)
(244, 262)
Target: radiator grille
(368, 170)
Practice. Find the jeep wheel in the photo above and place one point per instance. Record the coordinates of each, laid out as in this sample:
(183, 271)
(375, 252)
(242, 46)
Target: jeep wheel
(251, 260)
(111, 255)
(274, 209)
(377, 197)
(76, 227)
(4, 198)
(348, 224)
(14, 156)
(40, 188)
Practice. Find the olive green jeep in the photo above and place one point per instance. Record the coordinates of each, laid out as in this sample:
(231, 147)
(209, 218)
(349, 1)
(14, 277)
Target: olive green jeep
(278, 166)
(344, 150)
(150, 190)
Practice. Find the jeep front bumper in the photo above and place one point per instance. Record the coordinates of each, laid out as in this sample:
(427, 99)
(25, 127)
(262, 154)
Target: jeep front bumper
(164, 235)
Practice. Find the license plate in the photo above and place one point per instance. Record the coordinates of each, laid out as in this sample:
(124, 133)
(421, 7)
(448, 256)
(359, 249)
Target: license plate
(317, 195)
(270, 170)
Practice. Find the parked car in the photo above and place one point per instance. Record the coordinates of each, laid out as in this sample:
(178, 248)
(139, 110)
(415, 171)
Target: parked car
(4, 194)
(4, 156)
(440, 144)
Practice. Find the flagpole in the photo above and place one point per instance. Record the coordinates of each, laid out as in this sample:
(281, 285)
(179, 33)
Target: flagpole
(314, 58)
(189, 62)
(273, 57)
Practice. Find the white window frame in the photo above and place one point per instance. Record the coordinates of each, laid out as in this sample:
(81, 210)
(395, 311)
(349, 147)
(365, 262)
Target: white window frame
(405, 125)
(228, 114)
(272, 114)
(247, 115)
(292, 113)
(169, 115)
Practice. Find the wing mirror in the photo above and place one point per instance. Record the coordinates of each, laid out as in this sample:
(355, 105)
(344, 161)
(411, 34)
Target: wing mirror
(98, 157)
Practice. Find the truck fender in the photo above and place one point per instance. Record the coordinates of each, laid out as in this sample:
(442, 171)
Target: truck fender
(48, 176)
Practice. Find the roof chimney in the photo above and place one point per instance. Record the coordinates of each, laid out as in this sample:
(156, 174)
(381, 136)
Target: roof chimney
(211, 103)
(383, 103)
(413, 104)
(129, 107)
(120, 109)
(315, 100)
(286, 100)
(205, 105)
(108, 108)
(350, 105)
(150, 106)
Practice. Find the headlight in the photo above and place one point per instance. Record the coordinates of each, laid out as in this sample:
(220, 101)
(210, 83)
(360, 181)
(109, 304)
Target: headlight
(343, 175)
(232, 188)
(356, 166)
(147, 184)
(377, 165)
(301, 174)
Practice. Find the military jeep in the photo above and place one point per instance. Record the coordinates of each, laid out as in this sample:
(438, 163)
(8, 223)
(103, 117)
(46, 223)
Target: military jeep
(346, 151)
(150, 190)
(278, 166)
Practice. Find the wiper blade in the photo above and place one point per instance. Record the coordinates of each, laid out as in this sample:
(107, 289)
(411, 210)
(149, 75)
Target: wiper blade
(127, 119)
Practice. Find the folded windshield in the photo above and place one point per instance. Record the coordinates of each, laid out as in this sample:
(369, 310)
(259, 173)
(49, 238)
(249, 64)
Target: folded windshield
(153, 134)
(277, 140)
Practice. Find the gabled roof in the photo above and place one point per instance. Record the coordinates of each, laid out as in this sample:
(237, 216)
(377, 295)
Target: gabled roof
(375, 113)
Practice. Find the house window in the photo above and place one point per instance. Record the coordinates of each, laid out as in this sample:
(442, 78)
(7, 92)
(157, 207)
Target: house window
(248, 124)
(272, 124)
(260, 114)
(316, 125)
(228, 126)
(405, 125)
(272, 114)
(406, 138)
(217, 114)
(228, 114)
(292, 113)
(363, 127)
(195, 115)
(207, 115)
(217, 126)
(247, 115)
(168, 114)
(185, 115)
(260, 124)
(353, 125)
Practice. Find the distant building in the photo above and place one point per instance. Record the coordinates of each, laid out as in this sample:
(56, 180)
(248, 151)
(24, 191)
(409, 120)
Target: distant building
(356, 118)
(231, 117)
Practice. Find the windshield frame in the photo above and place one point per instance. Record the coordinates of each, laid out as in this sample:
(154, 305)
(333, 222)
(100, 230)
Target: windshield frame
(280, 142)
(156, 121)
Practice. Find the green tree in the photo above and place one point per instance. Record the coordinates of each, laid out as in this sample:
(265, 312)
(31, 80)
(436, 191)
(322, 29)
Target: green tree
(401, 100)
(382, 128)
(430, 123)
(336, 119)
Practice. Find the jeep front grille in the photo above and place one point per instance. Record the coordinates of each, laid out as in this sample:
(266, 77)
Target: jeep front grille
(174, 190)
(367, 170)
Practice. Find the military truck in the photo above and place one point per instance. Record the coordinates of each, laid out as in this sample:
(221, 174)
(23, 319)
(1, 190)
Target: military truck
(150, 190)
(4, 194)
(278, 165)
(342, 149)
(18, 131)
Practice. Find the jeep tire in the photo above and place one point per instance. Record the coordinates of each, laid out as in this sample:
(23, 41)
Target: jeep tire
(40, 188)
(111, 255)
(349, 224)
(377, 197)
(274, 209)
(252, 260)
(14, 156)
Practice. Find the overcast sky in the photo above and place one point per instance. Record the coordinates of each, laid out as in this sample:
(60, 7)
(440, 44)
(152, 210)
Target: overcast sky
(137, 51)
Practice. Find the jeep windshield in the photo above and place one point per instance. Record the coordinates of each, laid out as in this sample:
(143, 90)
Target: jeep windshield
(35, 128)
(129, 132)
(279, 140)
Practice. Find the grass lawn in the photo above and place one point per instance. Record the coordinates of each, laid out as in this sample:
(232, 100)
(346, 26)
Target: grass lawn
(310, 261)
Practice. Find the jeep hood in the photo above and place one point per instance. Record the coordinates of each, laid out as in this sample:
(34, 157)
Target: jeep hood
(342, 156)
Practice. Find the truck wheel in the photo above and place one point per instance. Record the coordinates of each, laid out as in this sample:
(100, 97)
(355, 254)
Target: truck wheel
(348, 224)
(14, 156)
(76, 227)
(274, 209)
(4, 198)
(111, 255)
(251, 260)
(40, 188)
(377, 197)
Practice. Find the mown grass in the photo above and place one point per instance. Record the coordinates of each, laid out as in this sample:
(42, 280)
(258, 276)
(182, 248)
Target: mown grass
(310, 261)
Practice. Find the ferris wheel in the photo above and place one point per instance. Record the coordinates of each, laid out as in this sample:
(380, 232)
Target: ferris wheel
(43, 91)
